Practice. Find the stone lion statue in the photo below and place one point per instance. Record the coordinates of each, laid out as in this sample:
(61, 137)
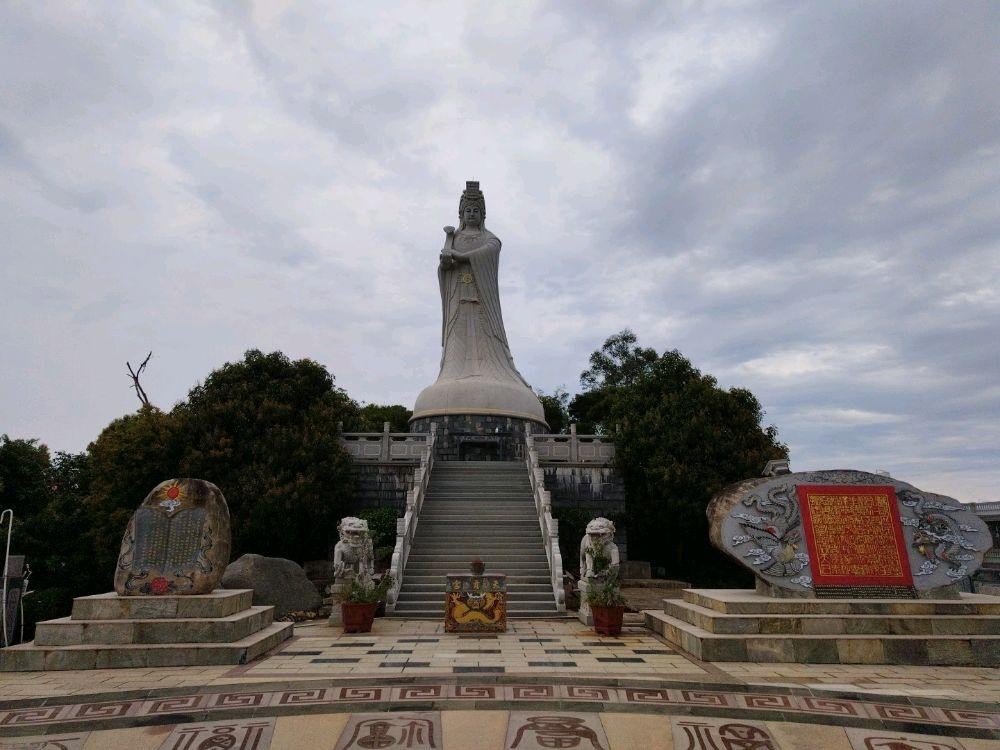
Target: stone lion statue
(354, 556)
(600, 538)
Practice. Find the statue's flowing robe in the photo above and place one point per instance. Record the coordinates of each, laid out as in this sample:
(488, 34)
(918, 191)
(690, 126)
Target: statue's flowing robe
(473, 340)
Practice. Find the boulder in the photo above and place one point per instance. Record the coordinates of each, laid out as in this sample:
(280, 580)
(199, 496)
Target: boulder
(275, 582)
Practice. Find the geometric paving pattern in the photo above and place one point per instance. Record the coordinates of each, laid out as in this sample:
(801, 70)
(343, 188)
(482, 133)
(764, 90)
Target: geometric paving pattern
(787, 706)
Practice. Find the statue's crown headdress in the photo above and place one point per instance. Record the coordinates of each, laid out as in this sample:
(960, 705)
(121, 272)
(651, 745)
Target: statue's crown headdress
(472, 194)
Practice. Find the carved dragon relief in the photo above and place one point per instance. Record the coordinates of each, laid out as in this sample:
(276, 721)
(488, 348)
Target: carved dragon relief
(773, 535)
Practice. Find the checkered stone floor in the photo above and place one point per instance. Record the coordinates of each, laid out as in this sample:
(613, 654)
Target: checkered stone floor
(529, 647)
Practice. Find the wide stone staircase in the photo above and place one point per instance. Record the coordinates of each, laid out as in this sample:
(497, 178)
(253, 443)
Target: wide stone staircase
(484, 509)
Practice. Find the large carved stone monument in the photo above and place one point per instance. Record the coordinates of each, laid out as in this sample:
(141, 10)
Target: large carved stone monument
(851, 567)
(178, 541)
(165, 610)
(847, 533)
(478, 392)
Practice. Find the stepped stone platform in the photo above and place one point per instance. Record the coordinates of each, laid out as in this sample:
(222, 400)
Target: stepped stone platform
(742, 625)
(107, 631)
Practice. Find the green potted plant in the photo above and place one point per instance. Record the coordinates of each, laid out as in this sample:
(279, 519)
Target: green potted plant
(360, 601)
(604, 594)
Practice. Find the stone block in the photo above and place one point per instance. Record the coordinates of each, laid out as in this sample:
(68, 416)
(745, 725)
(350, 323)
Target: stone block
(770, 650)
(949, 652)
(815, 651)
(723, 649)
(110, 606)
(823, 625)
(865, 625)
(905, 651)
(860, 651)
(70, 657)
(219, 603)
(780, 625)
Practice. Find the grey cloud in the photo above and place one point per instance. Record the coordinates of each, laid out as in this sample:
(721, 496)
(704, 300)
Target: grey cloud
(768, 187)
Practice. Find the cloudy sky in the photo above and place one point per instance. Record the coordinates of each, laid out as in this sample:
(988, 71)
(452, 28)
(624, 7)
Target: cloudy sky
(803, 198)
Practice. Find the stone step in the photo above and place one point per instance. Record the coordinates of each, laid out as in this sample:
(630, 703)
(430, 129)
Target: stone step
(488, 482)
(515, 589)
(437, 613)
(69, 632)
(826, 624)
(29, 657)
(439, 581)
(459, 545)
(110, 606)
(431, 597)
(443, 571)
(511, 564)
(486, 526)
(502, 510)
(748, 602)
(461, 553)
(950, 650)
(471, 518)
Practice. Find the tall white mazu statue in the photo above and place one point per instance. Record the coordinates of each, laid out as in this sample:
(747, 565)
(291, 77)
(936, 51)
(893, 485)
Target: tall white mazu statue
(481, 404)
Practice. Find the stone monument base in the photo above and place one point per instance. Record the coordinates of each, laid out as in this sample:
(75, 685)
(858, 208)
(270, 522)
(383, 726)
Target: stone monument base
(743, 625)
(107, 631)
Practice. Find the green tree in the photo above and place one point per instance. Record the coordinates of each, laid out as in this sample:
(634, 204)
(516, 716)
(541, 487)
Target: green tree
(264, 429)
(132, 455)
(556, 410)
(24, 466)
(57, 544)
(679, 439)
(373, 416)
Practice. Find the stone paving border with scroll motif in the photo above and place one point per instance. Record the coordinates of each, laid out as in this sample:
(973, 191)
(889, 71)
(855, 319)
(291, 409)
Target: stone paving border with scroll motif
(752, 702)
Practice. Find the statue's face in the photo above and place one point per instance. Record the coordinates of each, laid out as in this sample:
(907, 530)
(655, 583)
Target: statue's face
(472, 215)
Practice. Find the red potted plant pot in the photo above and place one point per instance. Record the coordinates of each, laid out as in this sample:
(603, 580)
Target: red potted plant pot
(358, 618)
(607, 620)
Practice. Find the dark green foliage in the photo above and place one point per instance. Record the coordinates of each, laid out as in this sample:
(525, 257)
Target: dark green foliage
(132, 455)
(372, 417)
(381, 525)
(51, 522)
(24, 467)
(358, 593)
(264, 430)
(679, 439)
(556, 410)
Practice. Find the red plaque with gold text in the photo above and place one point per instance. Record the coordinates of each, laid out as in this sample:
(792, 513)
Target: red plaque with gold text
(854, 535)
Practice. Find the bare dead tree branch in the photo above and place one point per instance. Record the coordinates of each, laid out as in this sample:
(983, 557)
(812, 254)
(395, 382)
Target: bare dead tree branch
(134, 374)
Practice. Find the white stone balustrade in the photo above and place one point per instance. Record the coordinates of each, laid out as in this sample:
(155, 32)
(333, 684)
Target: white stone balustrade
(406, 527)
(574, 449)
(385, 446)
(549, 525)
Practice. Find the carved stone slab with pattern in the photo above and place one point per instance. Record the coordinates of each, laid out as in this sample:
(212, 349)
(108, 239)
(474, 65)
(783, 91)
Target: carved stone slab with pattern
(178, 541)
(858, 530)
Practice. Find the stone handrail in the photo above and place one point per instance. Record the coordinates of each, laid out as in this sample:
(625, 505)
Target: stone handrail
(385, 446)
(406, 526)
(574, 449)
(549, 525)
(985, 508)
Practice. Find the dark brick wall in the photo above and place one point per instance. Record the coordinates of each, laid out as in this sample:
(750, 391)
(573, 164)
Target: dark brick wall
(383, 484)
(488, 433)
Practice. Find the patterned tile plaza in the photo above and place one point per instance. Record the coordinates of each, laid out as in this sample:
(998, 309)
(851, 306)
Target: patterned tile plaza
(554, 676)
(787, 704)
(534, 729)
